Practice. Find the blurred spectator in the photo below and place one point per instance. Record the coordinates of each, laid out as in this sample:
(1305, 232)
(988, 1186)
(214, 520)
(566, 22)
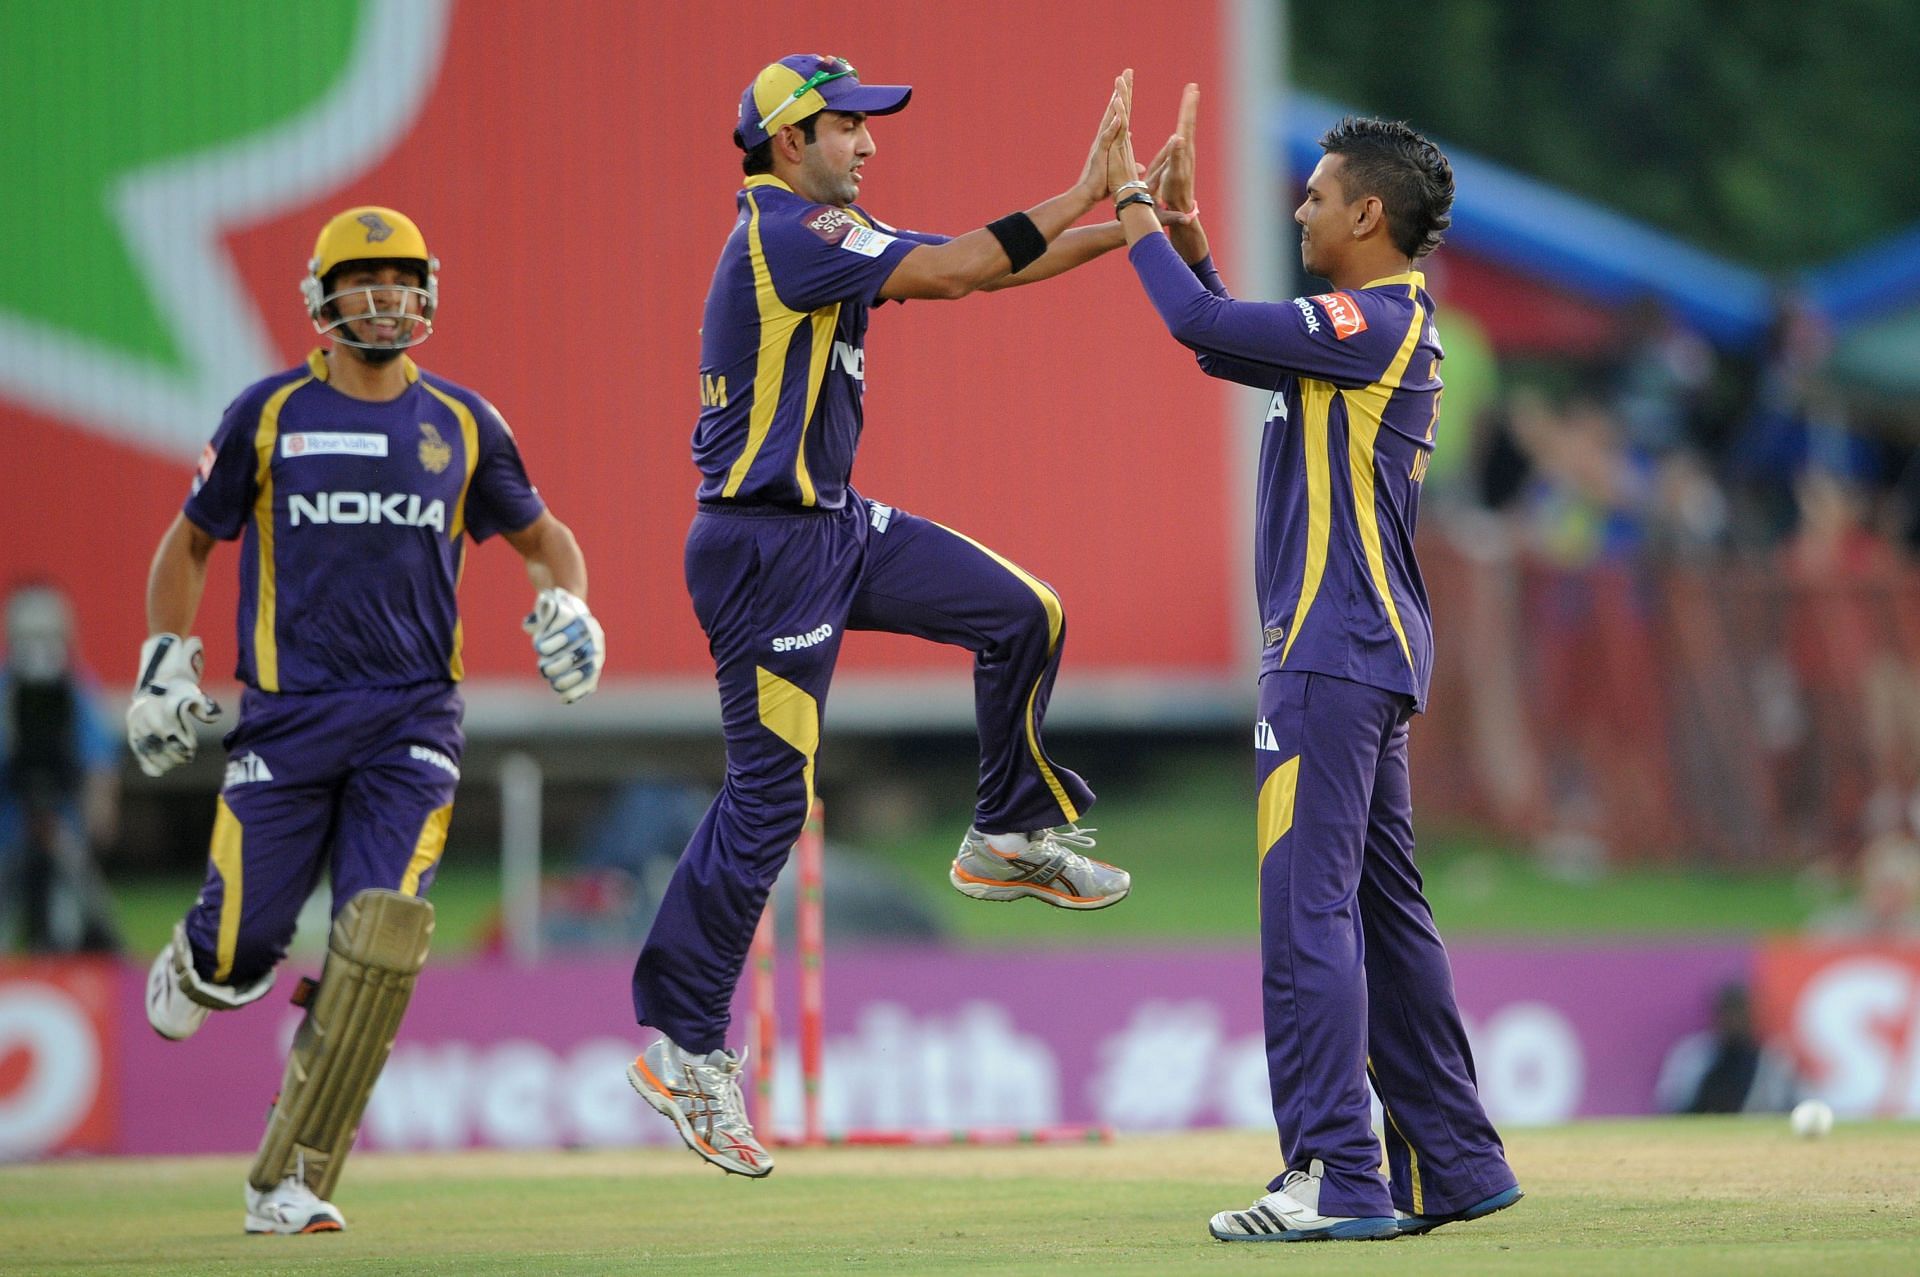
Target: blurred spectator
(627, 855)
(1860, 762)
(59, 784)
(1658, 383)
(1726, 1068)
(1795, 420)
(1888, 905)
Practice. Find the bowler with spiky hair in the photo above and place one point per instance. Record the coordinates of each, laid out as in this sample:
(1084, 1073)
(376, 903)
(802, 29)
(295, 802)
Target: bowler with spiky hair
(1356, 985)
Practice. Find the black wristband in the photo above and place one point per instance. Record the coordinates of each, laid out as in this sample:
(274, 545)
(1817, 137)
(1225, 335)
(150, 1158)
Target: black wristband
(1020, 238)
(1138, 197)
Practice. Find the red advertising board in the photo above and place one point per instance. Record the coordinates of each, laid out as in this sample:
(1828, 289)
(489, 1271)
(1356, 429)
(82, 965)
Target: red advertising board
(1851, 1014)
(59, 1067)
(572, 169)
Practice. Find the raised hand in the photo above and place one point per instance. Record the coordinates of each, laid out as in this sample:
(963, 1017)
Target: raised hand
(1176, 183)
(1121, 168)
(1097, 180)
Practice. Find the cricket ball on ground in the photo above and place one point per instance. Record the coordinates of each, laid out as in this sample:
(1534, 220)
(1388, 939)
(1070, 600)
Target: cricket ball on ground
(1811, 1119)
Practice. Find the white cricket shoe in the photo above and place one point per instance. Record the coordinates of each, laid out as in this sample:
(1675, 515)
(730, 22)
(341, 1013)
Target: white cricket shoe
(700, 1095)
(1046, 864)
(290, 1207)
(170, 1011)
(1292, 1214)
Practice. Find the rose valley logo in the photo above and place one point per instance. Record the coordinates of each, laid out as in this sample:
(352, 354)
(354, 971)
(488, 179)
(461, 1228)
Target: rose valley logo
(436, 454)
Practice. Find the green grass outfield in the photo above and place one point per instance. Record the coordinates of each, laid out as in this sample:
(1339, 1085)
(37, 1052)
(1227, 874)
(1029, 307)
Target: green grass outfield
(1674, 1196)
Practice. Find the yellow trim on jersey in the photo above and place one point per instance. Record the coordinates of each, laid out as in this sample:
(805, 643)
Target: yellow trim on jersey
(1412, 278)
(824, 321)
(790, 712)
(470, 436)
(266, 437)
(226, 857)
(323, 371)
(1056, 622)
(1275, 810)
(470, 440)
(1316, 403)
(427, 848)
(456, 665)
(777, 322)
(1365, 408)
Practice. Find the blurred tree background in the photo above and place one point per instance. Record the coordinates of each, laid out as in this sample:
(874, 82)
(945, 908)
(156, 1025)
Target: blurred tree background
(1775, 132)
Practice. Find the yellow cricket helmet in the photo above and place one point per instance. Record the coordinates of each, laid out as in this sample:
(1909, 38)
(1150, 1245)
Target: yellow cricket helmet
(371, 233)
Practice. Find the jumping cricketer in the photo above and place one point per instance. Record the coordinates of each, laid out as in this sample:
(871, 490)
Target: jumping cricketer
(784, 557)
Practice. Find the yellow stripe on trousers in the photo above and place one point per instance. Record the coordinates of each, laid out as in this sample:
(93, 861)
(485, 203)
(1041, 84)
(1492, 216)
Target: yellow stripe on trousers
(1056, 621)
(427, 848)
(791, 713)
(227, 838)
(1413, 1157)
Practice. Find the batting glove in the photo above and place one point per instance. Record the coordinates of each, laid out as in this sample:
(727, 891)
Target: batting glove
(568, 643)
(160, 722)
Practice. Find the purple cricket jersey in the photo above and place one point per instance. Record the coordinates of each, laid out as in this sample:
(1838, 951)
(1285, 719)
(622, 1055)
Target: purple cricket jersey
(783, 347)
(353, 517)
(1355, 378)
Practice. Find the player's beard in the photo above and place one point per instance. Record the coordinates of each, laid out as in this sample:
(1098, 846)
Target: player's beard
(831, 185)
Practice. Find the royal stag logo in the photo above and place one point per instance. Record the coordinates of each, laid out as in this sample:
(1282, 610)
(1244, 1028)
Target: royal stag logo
(378, 228)
(436, 454)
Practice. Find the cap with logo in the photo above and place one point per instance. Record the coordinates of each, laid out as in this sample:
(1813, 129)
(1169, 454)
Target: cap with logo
(803, 84)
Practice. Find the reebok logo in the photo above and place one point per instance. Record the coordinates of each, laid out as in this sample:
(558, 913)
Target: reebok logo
(1344, 311)
(247, 769)
(1263, 737)
(404, 508)
(1307, 316)
(793, 642)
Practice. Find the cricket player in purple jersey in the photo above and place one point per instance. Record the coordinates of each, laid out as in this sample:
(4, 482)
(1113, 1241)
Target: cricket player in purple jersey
(1356, 984)
(784, 557)
(353, 482)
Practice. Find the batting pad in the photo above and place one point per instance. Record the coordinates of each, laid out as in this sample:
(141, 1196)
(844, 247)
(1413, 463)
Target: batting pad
(378, 945)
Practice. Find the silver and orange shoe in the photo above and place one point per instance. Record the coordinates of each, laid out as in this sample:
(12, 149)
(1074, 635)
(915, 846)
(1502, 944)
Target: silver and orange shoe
(1047, 865)
(290, 1208)
(700, 1095)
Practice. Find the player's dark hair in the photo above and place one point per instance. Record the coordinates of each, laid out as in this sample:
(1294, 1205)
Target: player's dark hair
(759, 159)
(1410, 176)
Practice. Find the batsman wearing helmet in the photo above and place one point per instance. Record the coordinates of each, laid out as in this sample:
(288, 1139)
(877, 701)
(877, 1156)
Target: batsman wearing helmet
(784, 557)
(1356, 983)
(353, 482)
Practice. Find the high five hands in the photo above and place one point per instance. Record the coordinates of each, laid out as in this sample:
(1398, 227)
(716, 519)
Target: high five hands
(1169, 178)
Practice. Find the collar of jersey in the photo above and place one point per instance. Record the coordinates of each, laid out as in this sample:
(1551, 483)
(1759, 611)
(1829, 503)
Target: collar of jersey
(1417, 278)
(322, 371)
(768, 179)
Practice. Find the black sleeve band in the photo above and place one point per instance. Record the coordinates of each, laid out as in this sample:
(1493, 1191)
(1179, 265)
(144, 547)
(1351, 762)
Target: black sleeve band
(1022, 240)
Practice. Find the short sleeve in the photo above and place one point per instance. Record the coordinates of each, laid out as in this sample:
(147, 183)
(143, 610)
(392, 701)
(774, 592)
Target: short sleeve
(827, 254)
(223, 484)
(500, 499)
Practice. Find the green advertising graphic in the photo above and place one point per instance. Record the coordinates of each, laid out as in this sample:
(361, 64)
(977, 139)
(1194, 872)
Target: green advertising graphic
(138, 134)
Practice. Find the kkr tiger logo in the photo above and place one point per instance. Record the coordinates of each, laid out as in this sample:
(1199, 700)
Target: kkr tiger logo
(436, 454)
